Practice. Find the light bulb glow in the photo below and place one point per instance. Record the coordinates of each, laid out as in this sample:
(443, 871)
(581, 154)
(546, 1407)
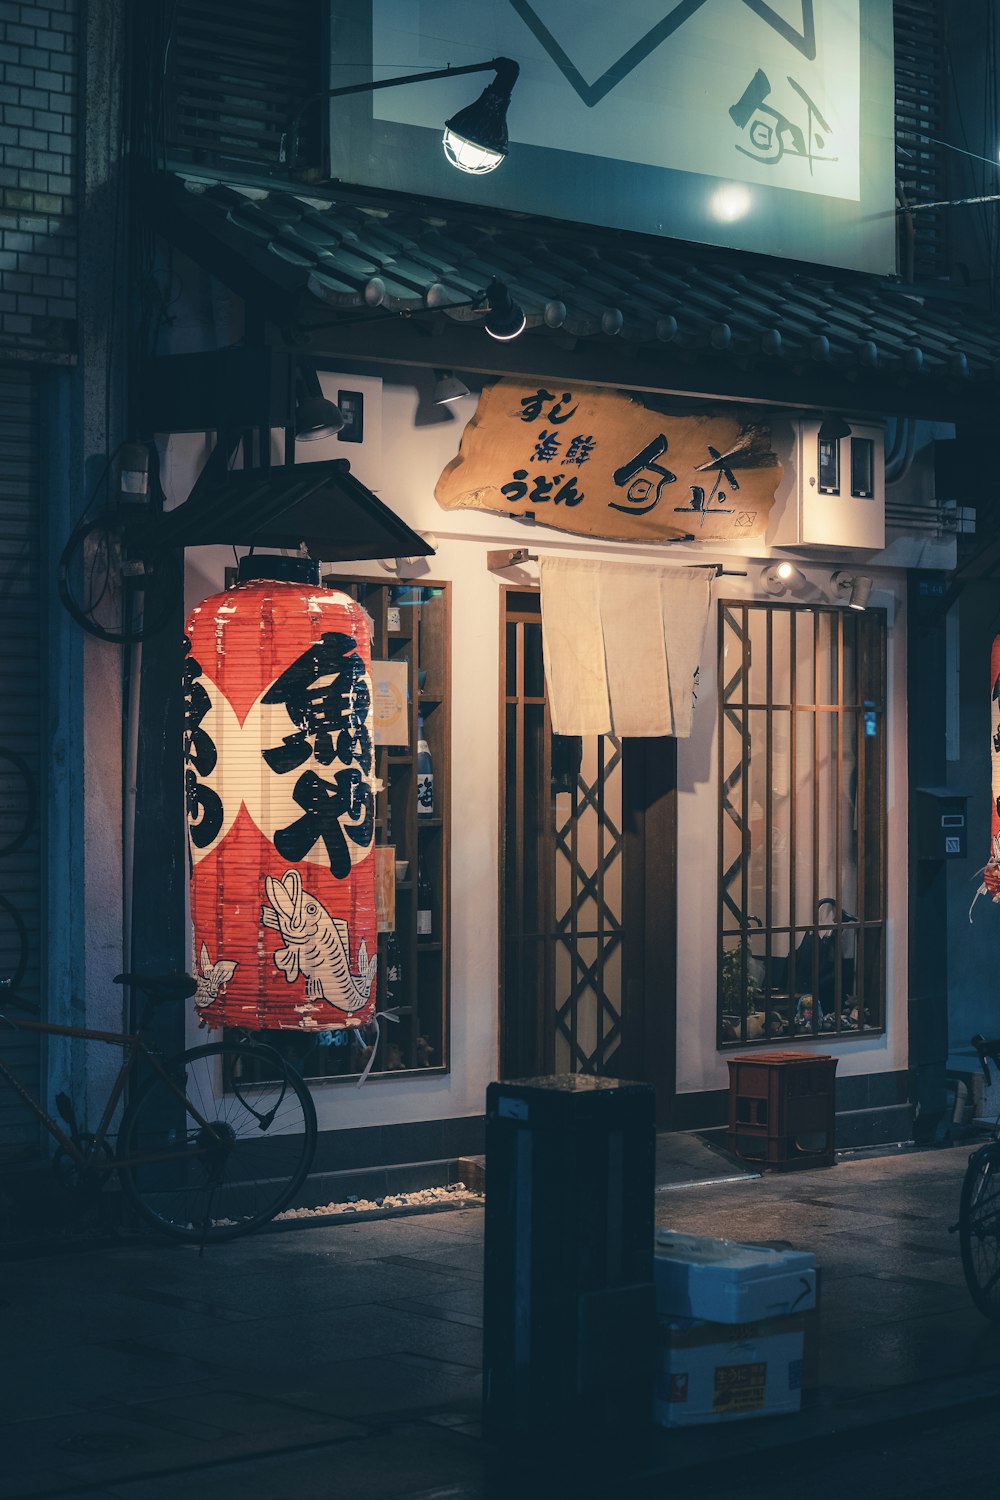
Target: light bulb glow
(504, 337)
(730, 202)
(468, 156)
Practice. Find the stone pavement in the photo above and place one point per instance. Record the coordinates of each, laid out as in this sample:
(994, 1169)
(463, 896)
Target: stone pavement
(343, 1360)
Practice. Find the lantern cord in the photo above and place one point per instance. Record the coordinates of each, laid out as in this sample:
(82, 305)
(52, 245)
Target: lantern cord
(386, 1015)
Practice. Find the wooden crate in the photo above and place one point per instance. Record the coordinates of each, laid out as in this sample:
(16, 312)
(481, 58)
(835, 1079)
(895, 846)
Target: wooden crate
(782, 1109)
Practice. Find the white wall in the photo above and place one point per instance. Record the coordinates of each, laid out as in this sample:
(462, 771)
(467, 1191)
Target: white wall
(418, 439)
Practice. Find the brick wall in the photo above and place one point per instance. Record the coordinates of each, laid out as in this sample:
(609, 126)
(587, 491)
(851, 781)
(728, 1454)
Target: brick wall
(38, 136)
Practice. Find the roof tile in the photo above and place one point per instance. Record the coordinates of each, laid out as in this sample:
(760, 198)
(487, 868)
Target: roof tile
(339, 247)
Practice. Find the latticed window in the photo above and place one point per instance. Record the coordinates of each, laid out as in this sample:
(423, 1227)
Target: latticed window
(564, 855)
(587, 893)
(802, 761)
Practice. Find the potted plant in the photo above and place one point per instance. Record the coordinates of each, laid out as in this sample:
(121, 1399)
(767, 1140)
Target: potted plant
(732, 990)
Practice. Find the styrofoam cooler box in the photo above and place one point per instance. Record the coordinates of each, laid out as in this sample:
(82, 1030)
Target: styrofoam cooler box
(715, 1372)
(723, 1281)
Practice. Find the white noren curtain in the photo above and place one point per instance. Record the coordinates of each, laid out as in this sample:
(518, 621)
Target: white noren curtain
(621, 645)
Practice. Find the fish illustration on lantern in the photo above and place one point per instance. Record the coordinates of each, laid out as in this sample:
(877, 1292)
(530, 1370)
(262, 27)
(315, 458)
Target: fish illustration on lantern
(317, 946)
(213, 979)
(991, 876)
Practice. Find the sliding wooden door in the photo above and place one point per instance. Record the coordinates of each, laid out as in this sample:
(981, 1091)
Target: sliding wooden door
(588, 893)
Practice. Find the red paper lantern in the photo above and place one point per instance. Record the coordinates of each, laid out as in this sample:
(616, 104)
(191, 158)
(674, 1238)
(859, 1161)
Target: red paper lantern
(279, 752)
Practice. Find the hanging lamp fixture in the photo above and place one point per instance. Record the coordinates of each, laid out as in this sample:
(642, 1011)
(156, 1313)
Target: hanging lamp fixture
(475, 139)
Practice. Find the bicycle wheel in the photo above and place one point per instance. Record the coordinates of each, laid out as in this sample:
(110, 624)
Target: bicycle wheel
(979, 1229)
(13, 948)
(232, 1173)
(17, 790)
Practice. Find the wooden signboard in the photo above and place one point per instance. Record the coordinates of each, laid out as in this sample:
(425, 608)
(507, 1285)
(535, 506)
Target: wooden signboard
(597, 462)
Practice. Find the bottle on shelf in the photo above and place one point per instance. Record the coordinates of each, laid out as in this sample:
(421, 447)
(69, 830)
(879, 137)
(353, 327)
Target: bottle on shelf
(393, 970)
(425, 921)
(425, 774)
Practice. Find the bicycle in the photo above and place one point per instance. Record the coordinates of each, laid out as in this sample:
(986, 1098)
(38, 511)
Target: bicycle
(203, 1153)
(979, 1212)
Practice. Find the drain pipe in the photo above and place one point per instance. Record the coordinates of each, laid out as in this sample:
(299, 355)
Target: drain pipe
(130, 753)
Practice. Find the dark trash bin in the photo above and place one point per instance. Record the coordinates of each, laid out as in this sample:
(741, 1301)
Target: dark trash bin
(568, 1316)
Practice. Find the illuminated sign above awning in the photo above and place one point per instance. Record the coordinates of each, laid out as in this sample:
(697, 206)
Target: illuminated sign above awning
(730, 122)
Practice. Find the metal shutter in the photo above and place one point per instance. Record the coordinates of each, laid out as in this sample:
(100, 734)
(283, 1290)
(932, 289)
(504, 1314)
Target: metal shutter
(22, 689)
(921, 164)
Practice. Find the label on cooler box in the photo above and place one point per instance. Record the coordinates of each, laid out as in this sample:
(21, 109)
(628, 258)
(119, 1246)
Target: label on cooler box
(740, 1387)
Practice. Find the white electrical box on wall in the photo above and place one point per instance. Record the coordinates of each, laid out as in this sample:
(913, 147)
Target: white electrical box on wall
(832, 493)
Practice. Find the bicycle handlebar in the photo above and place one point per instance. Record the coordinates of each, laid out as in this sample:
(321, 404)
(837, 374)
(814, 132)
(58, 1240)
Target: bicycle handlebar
(10, 996)
(160, 988)
(987, 1048)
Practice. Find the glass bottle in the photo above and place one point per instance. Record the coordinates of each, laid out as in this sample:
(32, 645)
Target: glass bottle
(393, 970)
(425, 774)
(425, 921)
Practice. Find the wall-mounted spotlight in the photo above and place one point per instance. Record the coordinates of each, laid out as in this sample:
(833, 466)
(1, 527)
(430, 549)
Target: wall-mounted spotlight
(505, 319)
(852, 589)
(781, 578)
(315, 416)
(397, 564)
(475, 140)
(448, 387)
(833, 428)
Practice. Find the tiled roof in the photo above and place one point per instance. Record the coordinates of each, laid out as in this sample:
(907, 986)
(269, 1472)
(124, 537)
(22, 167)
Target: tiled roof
(345, 256)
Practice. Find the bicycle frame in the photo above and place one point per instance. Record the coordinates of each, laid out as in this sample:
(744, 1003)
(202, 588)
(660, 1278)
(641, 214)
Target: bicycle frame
(135, 1048)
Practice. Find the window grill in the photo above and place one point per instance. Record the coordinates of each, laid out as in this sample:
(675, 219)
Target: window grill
(802, 861)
